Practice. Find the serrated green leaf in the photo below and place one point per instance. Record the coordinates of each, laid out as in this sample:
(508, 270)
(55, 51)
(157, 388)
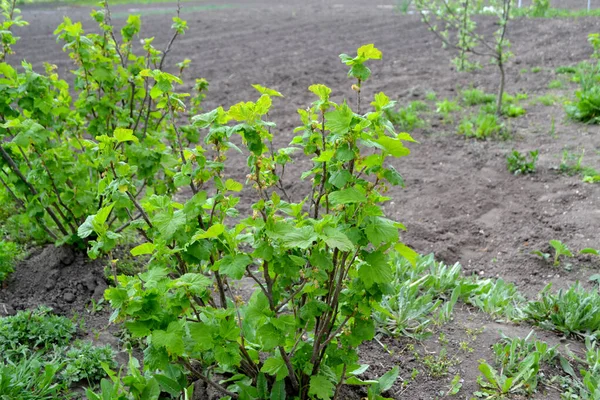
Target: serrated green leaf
(145, 248)
(376, 270)
(267, 91)
(125, 135)
(211, 233)
(338, 121)
(171, 339)
(369, 52)
(233, 186)
(276, 367)
(381, 230)
(168, 223)
(347, 196)
(321, 387)
(337, 239)
(394, 146)
(234, 266)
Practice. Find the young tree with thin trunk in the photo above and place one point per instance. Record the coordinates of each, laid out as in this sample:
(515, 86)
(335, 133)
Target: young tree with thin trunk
(452, 22)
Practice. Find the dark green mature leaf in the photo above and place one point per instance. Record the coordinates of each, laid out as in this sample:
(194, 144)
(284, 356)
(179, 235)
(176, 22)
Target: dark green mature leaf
(337, 239)
(168, 223)
(276, 367)
(376, 270)
(381, 230)
(171, 339)
(347, 196)
(234, 266)
(321, 387)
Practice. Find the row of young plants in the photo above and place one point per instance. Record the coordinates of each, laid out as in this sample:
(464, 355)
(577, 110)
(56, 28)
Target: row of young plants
(92, 169)
(425, 294)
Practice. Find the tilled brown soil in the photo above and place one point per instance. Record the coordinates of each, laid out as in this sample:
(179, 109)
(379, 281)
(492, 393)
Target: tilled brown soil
(460, 202)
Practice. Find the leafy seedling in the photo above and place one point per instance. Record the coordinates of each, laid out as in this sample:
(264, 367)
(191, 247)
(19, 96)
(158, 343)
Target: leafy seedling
(520, 164)
(590, 250)
(560, 249)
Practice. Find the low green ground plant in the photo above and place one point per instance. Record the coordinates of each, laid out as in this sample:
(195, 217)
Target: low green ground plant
(522, 164)
(9, 253)
(574, 311)
(475, 97)
(407, 118)
(482, 126)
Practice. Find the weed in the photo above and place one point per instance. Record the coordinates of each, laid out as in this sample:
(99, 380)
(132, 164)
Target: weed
(9, 252)
(407, 118)
(84, 361)
(565, 70)
(555, 84)
(446, 107)
(560, 249)
(474, 97)
(431, 96)
(481, 127)
(573, 312)
(513, 111)
(455, 386)
(521, 164)
(34, 329)
(497, 298)
(30, 378)
(439, 364)
(535, 70)
(546, 100)
(586, 106)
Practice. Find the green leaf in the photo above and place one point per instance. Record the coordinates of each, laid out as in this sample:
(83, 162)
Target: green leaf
(125, 135)
(276, 367)
(388, 379)
(340, 178)
(234, 266)
(394, 146)
(339, 120)
(320, 90)
(347, 196)
(171, 339)
(369, 52)
(381, 230)
(293, 237)
(321, 387)
(151, 391)
(407, 253)
(267, 91)
(145, 248)
(376, 270)
(337, 239)
(212, 232)
(168, 223)
(590, 250)
(278, 391)
(233, 186)
(193, 282)
(169, 385)
(263, 104)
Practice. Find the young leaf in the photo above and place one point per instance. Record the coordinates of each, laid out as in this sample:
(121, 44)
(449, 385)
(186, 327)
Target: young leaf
(276, 367)
(145, 248)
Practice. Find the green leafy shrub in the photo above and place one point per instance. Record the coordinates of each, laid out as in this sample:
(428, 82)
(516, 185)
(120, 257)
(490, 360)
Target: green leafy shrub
(521, 164)
(586, 106)
(84, 361)
(34, 329)
(8, 253)
(320, 265)
(77, 166)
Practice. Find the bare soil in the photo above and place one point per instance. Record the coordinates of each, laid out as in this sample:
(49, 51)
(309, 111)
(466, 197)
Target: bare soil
(460, 202)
